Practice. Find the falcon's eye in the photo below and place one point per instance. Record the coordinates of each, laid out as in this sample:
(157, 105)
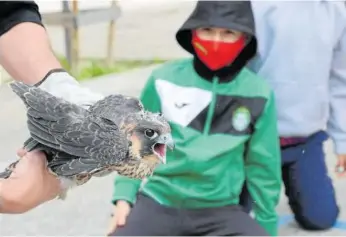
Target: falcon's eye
(150, 133)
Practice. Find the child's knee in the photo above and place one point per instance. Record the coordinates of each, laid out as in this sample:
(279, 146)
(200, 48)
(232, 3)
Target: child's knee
(319, 218)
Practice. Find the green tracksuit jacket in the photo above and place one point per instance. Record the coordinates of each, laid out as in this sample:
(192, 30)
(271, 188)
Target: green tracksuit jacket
(213, 125)
(223, 123)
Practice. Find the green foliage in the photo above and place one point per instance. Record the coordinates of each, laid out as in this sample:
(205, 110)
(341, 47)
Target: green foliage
(64, 63)
(89, 68)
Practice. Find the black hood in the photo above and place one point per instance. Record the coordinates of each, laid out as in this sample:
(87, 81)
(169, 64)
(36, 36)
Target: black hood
(236, 15)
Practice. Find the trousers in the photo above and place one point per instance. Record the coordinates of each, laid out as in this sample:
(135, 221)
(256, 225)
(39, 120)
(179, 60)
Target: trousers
(149, 218)
(308, 187)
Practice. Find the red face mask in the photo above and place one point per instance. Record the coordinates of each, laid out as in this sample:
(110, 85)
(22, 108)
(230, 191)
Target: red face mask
(217, 54)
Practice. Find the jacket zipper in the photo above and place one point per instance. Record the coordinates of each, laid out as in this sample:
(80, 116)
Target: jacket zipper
(211, 109)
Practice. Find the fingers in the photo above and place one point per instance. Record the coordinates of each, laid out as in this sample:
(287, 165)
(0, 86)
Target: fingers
(340, 171)
(50, 184)
(112, 226)
(123, 210)
(340, 168)
(21, 152)
(120, 214)
(31, 167)
(31, 184)
(37, 154)
(37, 158)
(121, 220)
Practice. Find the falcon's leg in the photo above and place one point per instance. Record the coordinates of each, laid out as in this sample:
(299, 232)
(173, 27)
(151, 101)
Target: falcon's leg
(65, 184)
(68, 183)
(104, 172)
(62, 196)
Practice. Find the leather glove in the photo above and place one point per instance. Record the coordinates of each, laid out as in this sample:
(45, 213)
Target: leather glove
(61, 84)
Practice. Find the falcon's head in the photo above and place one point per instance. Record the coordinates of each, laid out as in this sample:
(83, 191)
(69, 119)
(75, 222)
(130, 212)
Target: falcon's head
(149, 136)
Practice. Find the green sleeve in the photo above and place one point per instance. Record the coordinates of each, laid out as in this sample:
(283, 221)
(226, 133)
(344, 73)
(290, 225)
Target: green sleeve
(263, 168)
(126, 188)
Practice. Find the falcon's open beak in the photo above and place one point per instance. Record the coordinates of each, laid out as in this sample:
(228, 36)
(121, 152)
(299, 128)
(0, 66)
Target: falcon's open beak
(166, 139)
(160, 146)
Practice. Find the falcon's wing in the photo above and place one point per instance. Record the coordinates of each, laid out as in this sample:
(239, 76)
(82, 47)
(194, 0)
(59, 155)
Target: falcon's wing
(118, 102)
(64, 164)
(116, 107)
(69, 128)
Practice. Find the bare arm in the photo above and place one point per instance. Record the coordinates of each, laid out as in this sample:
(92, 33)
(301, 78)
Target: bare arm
(26, 53)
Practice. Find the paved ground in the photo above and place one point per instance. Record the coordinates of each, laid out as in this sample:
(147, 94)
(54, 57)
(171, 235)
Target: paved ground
(86, 211)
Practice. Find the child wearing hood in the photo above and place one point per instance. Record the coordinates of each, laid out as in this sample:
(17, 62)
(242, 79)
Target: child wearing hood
(224, 124)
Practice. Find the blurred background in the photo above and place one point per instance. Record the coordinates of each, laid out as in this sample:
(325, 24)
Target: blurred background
(108, 57)
(141, 34)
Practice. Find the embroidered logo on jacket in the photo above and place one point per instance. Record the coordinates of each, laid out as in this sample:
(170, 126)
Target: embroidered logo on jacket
(241, 118)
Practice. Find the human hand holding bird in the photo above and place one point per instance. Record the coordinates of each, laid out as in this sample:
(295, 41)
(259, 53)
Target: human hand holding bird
(29, 185)
(114, 134)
